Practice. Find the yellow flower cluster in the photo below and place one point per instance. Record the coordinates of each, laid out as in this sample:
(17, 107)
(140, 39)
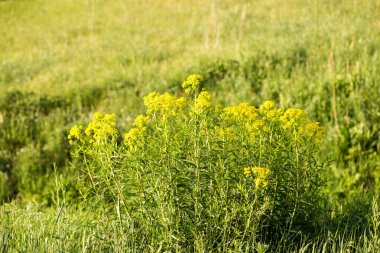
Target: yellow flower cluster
(312, 130)
(165, 104)
(192, 84)
(268, 110)
(76, 133)
(261, 175)
(256, 127)
(242, 112)
(244, 118)
(251, 117)
(140, 121)
(247, 171)
(134, 136)
(267, 105)
(274, 115)
(258, 120)
(101, 128)
(202, 103)
(293, 117)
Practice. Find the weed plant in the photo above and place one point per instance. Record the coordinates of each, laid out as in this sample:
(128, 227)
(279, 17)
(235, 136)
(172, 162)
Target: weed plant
(194, 176)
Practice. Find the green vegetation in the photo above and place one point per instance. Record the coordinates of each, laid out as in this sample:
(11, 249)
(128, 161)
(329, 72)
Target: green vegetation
(186, 174)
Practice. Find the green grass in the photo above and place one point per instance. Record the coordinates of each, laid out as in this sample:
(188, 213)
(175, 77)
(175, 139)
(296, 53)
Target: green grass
(60, 61)
(34, 228)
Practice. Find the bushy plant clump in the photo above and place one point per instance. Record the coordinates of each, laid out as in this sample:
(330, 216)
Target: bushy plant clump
(190, 175)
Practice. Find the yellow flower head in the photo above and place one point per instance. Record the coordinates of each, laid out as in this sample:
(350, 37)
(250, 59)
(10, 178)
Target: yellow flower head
(261, 175)
(192, 83)
(242, 113)
(258, 125)
(101, 128)
(261, 172)
(140, 121)
(293, 117)
(312, 130)
(274, 115)
(247, 171)
(267, 105)
(202, 102)
(165, 104)
(133, 137)
(110, 119)
(76, 133)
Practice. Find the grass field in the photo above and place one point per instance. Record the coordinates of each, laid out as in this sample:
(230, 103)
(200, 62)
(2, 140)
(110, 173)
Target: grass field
(63, 61)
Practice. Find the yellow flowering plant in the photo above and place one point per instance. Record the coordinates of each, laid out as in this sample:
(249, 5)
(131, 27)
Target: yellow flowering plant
(98, 132)
(190, 167)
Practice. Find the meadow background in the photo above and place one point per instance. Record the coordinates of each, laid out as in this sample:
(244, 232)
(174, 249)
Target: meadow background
(61, 61)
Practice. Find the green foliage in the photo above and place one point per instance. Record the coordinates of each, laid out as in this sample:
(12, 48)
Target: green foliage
(4, 191)
(68, 229)
(33, 139)
(29, 150)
